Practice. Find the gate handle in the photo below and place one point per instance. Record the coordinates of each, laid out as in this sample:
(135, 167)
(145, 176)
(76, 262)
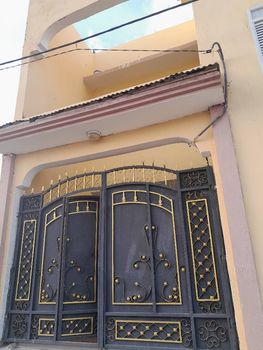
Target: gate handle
(182, 268)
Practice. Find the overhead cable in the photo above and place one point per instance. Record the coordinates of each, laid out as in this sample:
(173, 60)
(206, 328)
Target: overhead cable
(96, 34)
(225, 105)
(108, 50)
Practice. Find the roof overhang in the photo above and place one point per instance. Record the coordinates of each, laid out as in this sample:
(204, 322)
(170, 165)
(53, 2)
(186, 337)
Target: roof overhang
(167, 99)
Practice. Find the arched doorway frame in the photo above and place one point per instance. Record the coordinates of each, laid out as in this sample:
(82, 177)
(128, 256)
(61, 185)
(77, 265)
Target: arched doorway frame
(235, 229)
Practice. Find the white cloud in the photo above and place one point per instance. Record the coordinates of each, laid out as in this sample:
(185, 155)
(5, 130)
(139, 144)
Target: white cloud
(169, 18)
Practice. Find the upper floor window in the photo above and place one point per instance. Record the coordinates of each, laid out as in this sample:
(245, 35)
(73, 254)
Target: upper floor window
(256, 24)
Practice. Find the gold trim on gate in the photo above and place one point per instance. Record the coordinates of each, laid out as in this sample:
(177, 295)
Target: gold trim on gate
(91, 319)
(55, 217)
(198, 298)
(135, 201)
(153, 322)
(31, 264)
(95, 255)
(39, 333)
(40, 330)
(83, 211)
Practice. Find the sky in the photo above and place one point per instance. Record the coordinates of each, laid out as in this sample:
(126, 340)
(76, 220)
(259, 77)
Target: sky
(128, 11)
(13, 16)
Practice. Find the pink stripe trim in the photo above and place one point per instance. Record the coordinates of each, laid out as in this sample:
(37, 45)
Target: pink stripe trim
(130, 102)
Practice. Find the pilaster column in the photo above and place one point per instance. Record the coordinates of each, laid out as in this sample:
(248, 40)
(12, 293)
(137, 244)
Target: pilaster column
(7, 174)
(240, 257)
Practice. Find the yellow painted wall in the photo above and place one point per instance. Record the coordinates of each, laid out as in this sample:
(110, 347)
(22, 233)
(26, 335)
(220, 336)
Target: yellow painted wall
(44, 13)
(46, 18)
(224, 22)
(214, 21)
(119, 70)
(56, 82)
(186, 127)
(167, 38)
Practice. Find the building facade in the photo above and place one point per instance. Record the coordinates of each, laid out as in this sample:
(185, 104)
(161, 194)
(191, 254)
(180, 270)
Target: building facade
(130, 186)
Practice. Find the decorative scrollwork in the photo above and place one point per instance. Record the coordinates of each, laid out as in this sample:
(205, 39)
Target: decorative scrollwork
(141, 296)
(30, 203)
(52, 266)
(70, 293)
(213, 333)
(186, 333)
(172, 296)
(19, 325)
(22, 305)
(142, 260)
(207, 307)
(47, 294)
(194, 178)
(193, 195)
(34, 327)
(110, 330)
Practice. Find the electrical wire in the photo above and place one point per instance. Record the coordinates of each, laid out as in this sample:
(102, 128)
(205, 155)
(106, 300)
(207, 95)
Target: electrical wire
(225, 106)
(96, 34)
(107, 50)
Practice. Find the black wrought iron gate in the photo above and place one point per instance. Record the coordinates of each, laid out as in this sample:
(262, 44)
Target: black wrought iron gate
(158, 278)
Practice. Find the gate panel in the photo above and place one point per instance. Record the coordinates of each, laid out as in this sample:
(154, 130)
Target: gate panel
(81, 253)
(50, 255)
(47, 278)
(131, 265)
(211, 295)
(205, 253)
(142, 244)
(165, 249)
(21, 292)
(78, 309)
